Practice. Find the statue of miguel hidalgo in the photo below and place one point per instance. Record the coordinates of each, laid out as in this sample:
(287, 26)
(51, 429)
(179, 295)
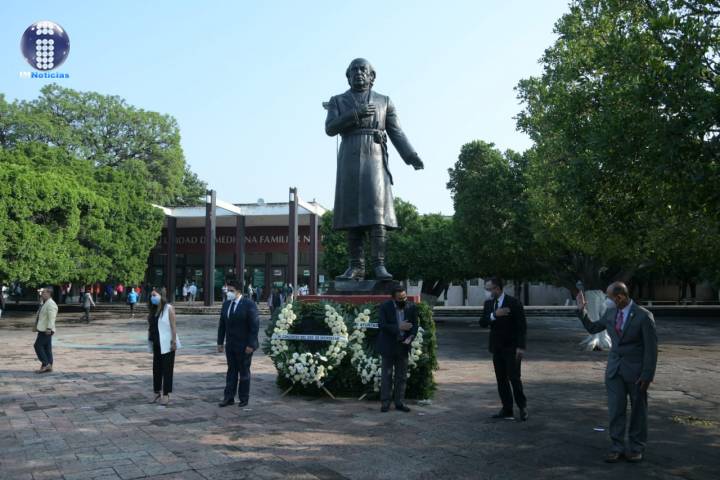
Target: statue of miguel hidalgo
(364, 119)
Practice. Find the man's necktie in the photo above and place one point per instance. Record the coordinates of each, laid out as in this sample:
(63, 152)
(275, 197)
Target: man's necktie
(619, 322)
(232, 308)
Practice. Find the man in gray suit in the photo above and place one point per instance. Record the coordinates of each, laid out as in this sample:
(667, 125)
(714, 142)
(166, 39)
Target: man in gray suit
(630, 368)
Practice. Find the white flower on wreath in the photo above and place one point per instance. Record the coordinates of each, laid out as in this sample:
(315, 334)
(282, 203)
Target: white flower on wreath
(307, 368)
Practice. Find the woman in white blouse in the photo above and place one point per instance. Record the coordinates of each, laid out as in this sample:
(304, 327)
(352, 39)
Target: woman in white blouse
(164, 340)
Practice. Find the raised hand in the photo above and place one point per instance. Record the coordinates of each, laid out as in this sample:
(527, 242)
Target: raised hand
(581, 302)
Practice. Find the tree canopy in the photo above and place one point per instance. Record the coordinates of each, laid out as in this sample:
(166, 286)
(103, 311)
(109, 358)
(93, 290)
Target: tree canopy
(79, 172)
(624, 118)
(107, 132)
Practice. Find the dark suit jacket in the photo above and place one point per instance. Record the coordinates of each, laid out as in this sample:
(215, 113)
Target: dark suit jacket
(390, 338)
(241, 328)
(633, 354)
(508, 332)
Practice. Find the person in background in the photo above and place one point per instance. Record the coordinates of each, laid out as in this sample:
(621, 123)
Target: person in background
(164, 341)
(45, 328)
(2, 299)
(132, 299)
(87, 303)
(193, 290)
(274, 300)
(18, 292)
(186, 292)
(289, 292)
(224, 290)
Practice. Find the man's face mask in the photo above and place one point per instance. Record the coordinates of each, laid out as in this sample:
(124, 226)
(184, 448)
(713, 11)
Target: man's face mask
(230, 295)
(401, 302)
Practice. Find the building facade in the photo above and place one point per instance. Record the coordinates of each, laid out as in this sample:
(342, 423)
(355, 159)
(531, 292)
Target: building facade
(254, 237)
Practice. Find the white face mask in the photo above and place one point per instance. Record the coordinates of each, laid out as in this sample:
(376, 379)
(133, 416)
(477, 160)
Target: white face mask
(488, 295)
(609, 303)
(230, 296)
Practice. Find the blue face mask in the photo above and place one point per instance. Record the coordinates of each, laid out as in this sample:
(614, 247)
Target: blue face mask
(155, 300)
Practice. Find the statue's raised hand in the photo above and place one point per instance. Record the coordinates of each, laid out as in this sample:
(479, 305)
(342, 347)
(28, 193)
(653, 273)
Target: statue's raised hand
(417, 163)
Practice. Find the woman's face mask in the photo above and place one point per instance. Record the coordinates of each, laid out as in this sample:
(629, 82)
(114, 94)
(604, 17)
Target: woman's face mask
(155, 299)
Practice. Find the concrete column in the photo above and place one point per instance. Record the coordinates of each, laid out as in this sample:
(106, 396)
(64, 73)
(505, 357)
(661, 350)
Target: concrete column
(240, 248)
(268, 272)
(171, 258)
(292, 268)
(314, 240)
(209, 273)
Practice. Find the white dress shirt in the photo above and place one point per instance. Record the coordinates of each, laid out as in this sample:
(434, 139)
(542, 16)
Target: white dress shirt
(500, 302)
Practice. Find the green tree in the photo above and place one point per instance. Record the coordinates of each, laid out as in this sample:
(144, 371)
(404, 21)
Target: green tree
(107, 132)
(334, 254)
(492, 215)
(61, 219)
(625, 123)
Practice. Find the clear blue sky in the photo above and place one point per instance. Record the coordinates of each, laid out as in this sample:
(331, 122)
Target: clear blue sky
(245, 80)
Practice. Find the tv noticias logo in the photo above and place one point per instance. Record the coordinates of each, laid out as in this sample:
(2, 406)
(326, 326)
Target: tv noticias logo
(45, 45)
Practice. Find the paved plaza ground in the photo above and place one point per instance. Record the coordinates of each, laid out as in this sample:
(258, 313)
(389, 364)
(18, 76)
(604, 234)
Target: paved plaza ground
(90, 418)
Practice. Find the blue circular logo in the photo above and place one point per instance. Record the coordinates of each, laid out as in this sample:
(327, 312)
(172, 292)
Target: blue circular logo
(45, 45)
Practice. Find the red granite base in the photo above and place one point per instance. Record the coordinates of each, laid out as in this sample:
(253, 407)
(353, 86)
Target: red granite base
(354, 299)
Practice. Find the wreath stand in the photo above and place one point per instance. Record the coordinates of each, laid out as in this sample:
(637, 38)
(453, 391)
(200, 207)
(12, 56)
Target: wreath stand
(323, 388)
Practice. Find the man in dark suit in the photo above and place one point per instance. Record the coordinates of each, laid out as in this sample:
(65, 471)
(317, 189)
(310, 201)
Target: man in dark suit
(398, 327)
(238, 330)
(506, 318)
(630, 367)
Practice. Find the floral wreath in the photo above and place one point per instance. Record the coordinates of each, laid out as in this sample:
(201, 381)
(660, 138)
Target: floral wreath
(366, 362)
(307, 367)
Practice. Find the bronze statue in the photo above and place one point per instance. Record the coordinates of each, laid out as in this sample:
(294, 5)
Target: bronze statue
(363, 190)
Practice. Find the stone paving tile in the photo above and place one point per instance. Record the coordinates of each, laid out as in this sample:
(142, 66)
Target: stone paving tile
(91, 417)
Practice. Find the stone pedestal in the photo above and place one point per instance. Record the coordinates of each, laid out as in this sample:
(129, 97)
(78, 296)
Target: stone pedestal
(354, 299)
(362, 287)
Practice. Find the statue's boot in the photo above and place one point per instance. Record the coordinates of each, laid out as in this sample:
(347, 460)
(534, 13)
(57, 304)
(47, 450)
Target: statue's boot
(378, 241)
(356, 270)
